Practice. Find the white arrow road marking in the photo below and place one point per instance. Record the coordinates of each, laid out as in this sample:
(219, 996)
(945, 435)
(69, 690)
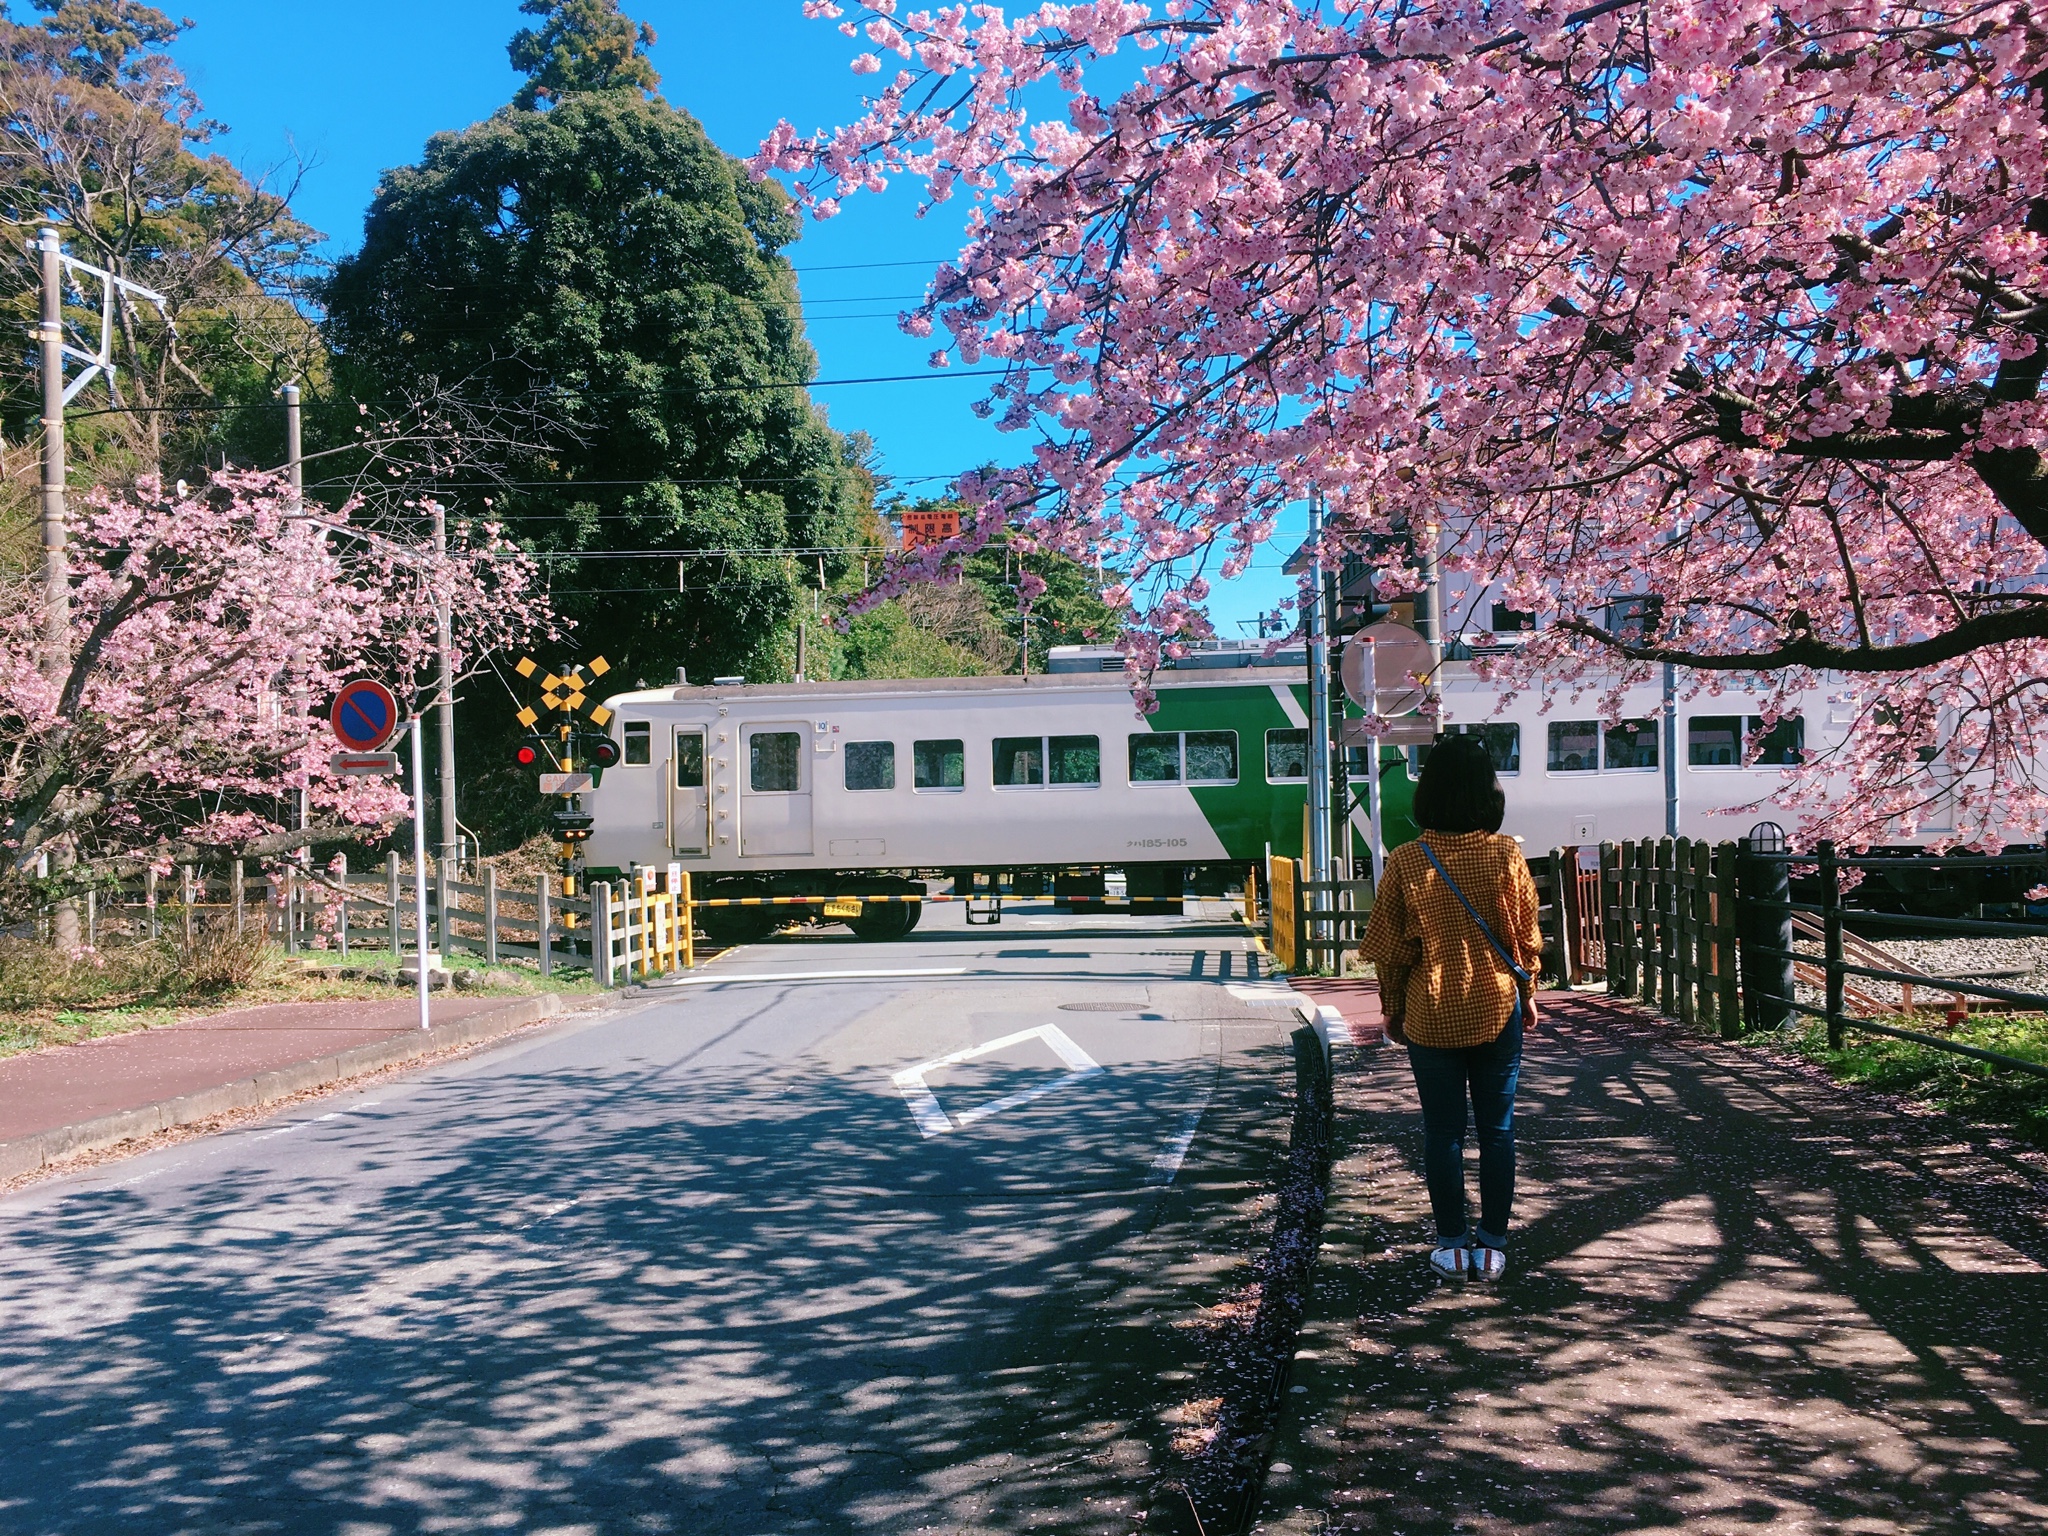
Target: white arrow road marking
(1168, 1162)
(932, 1120)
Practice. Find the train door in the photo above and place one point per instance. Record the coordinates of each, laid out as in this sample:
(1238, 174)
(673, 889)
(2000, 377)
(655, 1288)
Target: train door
(775, 791)
(689, 805)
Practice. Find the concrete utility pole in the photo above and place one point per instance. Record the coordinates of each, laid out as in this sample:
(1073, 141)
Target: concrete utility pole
(1318, 849)
(56, 567)
(295, 470)
(451, 848)
(294, 448)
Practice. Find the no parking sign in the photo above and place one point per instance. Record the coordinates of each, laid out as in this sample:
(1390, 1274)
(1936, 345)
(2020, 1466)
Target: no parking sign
(364, 715)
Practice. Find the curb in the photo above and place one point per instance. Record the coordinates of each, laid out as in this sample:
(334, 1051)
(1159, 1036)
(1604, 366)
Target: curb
(31, 1154)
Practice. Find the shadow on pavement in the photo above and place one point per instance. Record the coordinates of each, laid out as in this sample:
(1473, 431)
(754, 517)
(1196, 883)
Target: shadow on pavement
(682, 1295)
(1741, 1299)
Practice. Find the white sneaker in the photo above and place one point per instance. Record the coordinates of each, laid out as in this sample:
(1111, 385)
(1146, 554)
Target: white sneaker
(1488, 1263)
(1450, 1263)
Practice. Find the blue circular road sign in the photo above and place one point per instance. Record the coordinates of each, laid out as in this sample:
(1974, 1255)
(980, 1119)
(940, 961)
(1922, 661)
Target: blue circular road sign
(364, 715)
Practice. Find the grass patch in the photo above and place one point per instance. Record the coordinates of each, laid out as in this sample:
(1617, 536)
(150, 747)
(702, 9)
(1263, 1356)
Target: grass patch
(50, 998)
(1972, 1090)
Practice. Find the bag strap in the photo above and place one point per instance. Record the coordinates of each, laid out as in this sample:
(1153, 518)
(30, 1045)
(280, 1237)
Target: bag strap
(1506, 959)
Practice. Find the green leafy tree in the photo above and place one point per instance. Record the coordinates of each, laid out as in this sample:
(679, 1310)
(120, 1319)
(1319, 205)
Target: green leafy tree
(101, 137)
(582, 45)
(602, 255)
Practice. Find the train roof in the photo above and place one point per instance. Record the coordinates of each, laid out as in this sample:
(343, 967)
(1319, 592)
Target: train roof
(911, 687)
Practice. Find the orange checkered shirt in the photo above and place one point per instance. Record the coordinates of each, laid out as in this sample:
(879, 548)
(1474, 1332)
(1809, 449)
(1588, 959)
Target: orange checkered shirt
(1438, 975)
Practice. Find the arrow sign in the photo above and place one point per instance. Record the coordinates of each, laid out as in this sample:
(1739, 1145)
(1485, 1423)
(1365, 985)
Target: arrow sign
(362, 765)
(364, 716)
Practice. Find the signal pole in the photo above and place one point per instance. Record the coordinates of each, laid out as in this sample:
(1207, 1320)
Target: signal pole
(56, 568)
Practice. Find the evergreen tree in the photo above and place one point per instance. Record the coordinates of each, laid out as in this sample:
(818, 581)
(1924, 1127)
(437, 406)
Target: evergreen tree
(602, 257)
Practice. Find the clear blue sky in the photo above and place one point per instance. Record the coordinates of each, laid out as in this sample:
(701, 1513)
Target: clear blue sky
(355, 87)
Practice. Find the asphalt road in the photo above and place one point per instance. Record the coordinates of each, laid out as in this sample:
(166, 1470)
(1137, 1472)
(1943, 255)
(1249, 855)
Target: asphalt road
(776, 1250)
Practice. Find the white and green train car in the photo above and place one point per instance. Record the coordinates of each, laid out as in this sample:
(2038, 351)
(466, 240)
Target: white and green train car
(1046, 784)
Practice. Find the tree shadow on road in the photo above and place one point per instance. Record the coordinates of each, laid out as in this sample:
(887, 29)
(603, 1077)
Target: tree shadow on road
(1740, 1299)
(674, 1295)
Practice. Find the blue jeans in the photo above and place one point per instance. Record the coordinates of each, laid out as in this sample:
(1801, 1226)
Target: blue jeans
(1443, 1079)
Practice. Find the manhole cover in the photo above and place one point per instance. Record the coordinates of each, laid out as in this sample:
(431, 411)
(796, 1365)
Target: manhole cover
(1137, 1006)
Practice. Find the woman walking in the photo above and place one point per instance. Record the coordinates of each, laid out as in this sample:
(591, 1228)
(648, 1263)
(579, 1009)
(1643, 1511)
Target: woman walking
(1454, 938)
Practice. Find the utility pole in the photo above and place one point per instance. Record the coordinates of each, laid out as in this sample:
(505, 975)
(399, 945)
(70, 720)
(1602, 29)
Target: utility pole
(451, 851)
(295, 470)
(294, 448)
(56, 568)
(1318, 849)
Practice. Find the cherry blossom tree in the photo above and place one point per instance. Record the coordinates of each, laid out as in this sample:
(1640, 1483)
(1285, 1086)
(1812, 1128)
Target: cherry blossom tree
(210, 628)
(1732, 305)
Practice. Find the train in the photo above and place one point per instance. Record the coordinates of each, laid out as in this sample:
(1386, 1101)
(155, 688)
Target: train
(1055, 785)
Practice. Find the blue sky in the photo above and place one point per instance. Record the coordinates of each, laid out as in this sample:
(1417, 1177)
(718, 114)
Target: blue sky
(358, 86)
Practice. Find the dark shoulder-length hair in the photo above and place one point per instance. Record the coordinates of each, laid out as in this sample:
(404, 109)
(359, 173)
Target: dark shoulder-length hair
(1458, 791)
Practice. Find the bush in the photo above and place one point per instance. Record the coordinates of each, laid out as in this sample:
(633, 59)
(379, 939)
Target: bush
(34, 974)
(218, 959)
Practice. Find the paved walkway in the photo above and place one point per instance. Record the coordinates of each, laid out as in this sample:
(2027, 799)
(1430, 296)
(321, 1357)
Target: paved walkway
(69, 1084)
(1741, 1299)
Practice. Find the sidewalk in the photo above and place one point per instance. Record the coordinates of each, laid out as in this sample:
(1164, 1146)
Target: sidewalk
(71, 1099)
(1740, 1298)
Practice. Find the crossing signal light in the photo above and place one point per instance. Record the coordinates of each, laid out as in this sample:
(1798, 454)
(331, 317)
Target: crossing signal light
(526, 754)
(597, 750)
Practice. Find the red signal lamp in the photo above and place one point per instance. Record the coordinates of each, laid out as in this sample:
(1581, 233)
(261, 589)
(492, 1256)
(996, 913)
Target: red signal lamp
(526, 754)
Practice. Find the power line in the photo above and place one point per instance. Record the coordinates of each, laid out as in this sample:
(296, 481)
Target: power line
(939, 375)
(871, 266)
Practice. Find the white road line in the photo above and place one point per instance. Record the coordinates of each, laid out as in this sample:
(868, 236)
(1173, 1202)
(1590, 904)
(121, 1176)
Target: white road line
(932, 1120)
(722, 980)
(1167, 1164)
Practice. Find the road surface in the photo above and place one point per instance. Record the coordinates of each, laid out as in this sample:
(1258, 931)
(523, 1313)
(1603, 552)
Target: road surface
(831, 1237)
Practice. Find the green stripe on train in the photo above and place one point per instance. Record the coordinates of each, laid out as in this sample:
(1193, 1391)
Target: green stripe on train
(1251, 813)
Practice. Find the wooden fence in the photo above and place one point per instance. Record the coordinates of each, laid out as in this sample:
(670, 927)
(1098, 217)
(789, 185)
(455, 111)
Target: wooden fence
(1668, 908)
(1303, 933)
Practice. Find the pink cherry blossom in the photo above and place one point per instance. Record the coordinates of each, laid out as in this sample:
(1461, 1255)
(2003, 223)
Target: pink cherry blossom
(1736, 304)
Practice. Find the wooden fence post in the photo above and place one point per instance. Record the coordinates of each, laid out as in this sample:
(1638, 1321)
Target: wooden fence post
(544, 911)
(490, 914)
(1645, 921)
(1610, 915)
(238, 877)
(686, 920)
(185, 897)
(1684, 931)
(1728, 1006)
(1831, 941)
(149, 903)
(391, 896)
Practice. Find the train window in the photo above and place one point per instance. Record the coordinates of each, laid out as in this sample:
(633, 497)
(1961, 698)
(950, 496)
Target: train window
(1076, 759)
(1286, 756)
(1020, 760)
(1574, 746)
(1155, 758)
(938, 764)
(639, 743)
(871, 765)
(1713, 741)
(772, 761)
(1632, 744)
(689, 759)
(1211, 757)
(1784, 744)
(1503, 740)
